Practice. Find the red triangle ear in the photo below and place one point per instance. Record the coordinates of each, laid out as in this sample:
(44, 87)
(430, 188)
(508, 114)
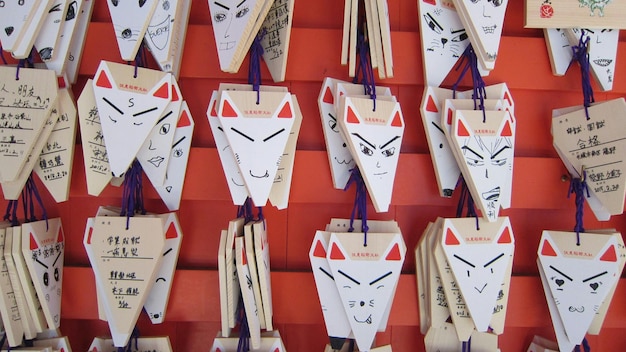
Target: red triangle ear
(171, 231)
(61, 82)
(174, 93)
(507, 97)
(430, 105)
(103, 81)
(244, 260)
(285, 112)
(183, 121)
(506, 130)
(397, 120)
(609, 255)
(352, 116)
(328, 97)
(336, 254)
(547, 249)
(60, 237)
(163, 91)
(394, 253)
(33, 243)
(431, 2)
(506, 236)
(214, 109)
(277, 350)
(89, 235)
(451, 239)
(449, 117)
(319, 250)
(228, 110)
(462, 130)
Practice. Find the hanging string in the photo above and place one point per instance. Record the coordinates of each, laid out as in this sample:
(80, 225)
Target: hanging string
(244, 330)
(140, 58)
(581, 54)
(479, 92)
(132, 193)
(22, 63)
(4, 61)
(134, 337)
(578, 186)
(364, 67)
(467, 345)
(11, 213)
(466, 202)
(359, 210)
(254, 70)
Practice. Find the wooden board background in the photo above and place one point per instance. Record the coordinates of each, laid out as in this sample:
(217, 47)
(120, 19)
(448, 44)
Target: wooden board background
(539, 191)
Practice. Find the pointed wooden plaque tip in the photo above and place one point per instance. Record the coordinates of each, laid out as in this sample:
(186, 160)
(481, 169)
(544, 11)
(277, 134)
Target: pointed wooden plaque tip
(319, 250)
(328, 96)
(335, 253)
(547, 249)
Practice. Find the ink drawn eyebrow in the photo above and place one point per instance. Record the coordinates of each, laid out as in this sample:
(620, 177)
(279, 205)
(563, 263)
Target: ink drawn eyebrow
(145, 111)
(458, 30)
(113, 105)
(349, 277)
(595, 276)
(167, 251)
(57, 258)
(241, 3)
(242, 134)
(363, 139)
(327, 273)
(390, 141)
(222, 6)
(180, 140)
(164, 117)
(464, 261)
(434, 21)
(437, 127)
(493, 260)
(274, 135)
(332, 117)
(42, 264)
(470, 149)
(380, 278)
(220, 128)
(558, 271)
(499, 151)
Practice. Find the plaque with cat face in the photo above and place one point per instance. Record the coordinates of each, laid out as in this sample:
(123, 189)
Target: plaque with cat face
(257, 134)
(270, 342)
(487, 156)
(129, 107)
(232, 22)
(365, 277)
(130, 22)
(44, 246)
(579, 277)
(479, 260)
(171, 190)
(48, 36)
(375, 139)
(24, 44)
(154, 344)
(156, 302)
(154, 154)
(443, 39)
(15, 17)
(447, 171)
(602, 52)
(484, 20)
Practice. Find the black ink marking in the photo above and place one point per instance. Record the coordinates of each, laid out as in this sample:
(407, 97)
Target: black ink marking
(380, 278)
(464, 261)
(42, 264)
(493, 260)
(470, 149)
(222, 6)
(242, 134)
(164, 117)
(364, 140)
(437, 127)
(595, 276)
(113, 105)
(145, 111)
(390, 141)
(274, 135)
(349, 277)
(499, 151)
(558, 271)
(327, 273)
(177, 143)
(167, 251)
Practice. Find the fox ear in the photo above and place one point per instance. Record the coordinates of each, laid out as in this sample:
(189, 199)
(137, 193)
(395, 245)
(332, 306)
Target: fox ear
(394, 253)
(336, 253)
(505, 236)
(609, 255)
(319, 251)
(228, 110)
(352, 116)
(547, 249)
(451, 238)
(461, 131)
(397, 120)
(506, 130)
(103, 80)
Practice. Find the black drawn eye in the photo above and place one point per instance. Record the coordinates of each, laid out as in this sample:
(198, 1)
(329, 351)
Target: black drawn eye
(45, 278)
(165, 129)
(219, 17)
(178, 153)
(333, 125)
(498, 162)
(166, 5)
(459, 38)
(244, 11)
(432, 24)
(142, 2)
(351, 304)
(56, 274)
(366, 150)
(71, 11)
(389, 152)
(127, 33)
(474, 162)
(495, 3)
(115, 2)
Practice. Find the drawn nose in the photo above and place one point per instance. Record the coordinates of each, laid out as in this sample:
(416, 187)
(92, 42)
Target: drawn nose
(444, 41)
(362, 303)
(378, 164)
(486, 173)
